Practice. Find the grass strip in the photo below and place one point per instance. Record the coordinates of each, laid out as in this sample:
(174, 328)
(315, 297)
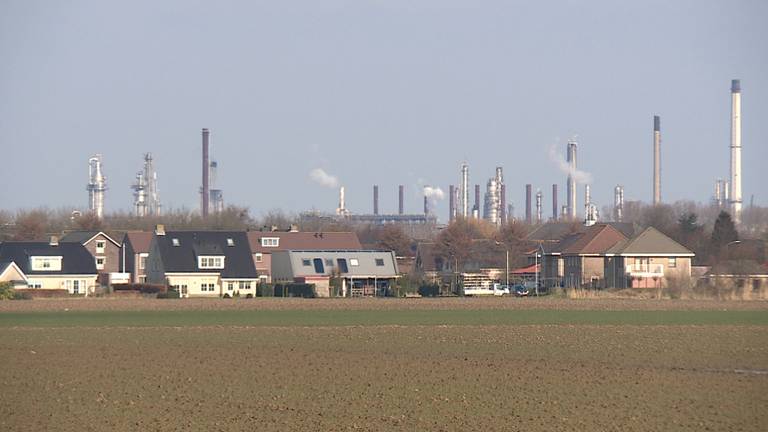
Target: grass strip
(375, 317)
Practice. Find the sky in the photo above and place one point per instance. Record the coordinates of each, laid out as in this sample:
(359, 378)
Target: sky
(381, 92)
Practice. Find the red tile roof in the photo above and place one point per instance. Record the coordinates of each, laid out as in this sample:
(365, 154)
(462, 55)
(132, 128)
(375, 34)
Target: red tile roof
(596, 240)
(304, 241)
(140, 241)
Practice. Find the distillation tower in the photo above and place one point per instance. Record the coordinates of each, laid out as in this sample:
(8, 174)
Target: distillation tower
(97, 185)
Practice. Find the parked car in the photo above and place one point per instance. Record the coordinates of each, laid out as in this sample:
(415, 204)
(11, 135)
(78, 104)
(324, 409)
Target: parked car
(520, 290)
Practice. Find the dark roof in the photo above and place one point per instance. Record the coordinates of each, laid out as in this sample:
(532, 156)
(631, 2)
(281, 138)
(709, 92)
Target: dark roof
(84, 237)
(139, 241)
(75, 257)
(238, 262)
(554, 231)
(305, 241)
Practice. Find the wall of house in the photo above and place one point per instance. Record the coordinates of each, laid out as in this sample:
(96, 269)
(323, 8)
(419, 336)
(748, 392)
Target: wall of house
(111, 254)
(572, 271)
(155, 271)
(233, 286)
(593, 274)
(65, 282)
(192, 284)
(264, 268)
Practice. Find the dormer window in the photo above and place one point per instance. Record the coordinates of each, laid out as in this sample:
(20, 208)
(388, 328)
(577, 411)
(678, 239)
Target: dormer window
(270, 241)
(210, 262)
(45, 263)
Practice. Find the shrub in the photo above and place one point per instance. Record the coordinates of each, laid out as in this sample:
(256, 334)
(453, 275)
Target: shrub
(264, 289)
(295, 290)
(6, 291)
(142, 288)
(169, 294)
(429, 290)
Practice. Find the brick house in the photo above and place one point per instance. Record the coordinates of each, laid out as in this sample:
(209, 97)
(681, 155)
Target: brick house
(135, 254)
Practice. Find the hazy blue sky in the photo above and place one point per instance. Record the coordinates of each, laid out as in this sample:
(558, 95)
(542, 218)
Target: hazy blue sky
(384, 92)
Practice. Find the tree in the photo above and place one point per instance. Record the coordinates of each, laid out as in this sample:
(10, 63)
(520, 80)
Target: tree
(88, 222)
(392, 237)
(31, 225)
(454, 242)
(690, 233)
(723, 233)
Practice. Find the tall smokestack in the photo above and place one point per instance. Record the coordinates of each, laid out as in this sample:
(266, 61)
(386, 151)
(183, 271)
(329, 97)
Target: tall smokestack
(539, 199)
(528, 203)
(554, 202)
(476, 208)
(656, 160)
(618, 203)
(503, 204)
(206, 180)
(464, 191)
(571, 188)
(400, 199)
(451, 203)
(736, 150)
(376, 199)
(426, 206)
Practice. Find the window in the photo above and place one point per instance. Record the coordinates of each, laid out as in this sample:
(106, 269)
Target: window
(342, 265)
(100, 263)
(379, 262)
(142, 261)
(207, 287)
(319, 269)
(34, 284)
(672, 262)
(175, 242)
(48, 263)
(184, 290)
(100, 244)
(230, 242)
(245, 285)
(75, 287)
(306, 262)
(354, 262)
(210, 262)
(258, 257)
(270, 241)
(230, 286)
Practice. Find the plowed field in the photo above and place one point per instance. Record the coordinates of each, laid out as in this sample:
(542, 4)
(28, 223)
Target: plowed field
(100, 375)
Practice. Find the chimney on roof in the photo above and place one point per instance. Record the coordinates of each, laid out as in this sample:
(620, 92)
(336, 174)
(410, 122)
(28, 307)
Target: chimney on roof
(273, 228)
(160, 229)
(54, 241)
(293, 228)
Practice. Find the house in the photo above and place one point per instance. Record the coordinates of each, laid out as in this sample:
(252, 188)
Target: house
(264, 243)
(359, 272)
(583, 256)
(103, 248)
(51, 265)
(202, 263)
(647, 260)
(10, 272)
(135, 252)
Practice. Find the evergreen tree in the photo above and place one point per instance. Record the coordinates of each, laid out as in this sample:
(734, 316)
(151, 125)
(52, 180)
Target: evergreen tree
(723, 234)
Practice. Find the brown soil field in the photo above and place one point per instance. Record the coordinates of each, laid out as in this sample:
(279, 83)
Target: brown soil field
(385, 378)
(451, 303)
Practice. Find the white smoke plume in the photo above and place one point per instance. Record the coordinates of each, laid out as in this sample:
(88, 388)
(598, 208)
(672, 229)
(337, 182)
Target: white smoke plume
(319, 176)
(558, 159)
(434, 193)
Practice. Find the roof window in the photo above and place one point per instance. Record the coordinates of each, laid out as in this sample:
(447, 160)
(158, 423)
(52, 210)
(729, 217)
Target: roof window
(230, 242)
(175, 241)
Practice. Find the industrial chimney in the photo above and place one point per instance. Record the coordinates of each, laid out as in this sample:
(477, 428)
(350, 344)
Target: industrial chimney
(618, 203)
(375, 199)
(571, 187)
(464, 191)
(554, 202)
(97, 185)
(735, 194)
(539, 198)
(400, 199)
(206, 168)
(528, 203)
(451, 203)
(476, 208)
(656, 160)
(503, 204)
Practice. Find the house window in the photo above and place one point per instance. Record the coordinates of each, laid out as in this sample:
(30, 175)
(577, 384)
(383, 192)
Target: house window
(142, 261)
(50, 263)
(306, 262)
(75, 287)
(100, 263)
(354, 262)
(100, 244)
(184, 290)
(319, 269)
(34, 284)
(270, 241)
(230, 242)
(258, 257)
(379, 262)
(245, 285)
(210, 262)
(207, 287)
(230, 286)
(175, 242)
(342, 265)
(672, 262)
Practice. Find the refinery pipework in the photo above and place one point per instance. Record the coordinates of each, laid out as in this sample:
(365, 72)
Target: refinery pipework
(96, 187)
